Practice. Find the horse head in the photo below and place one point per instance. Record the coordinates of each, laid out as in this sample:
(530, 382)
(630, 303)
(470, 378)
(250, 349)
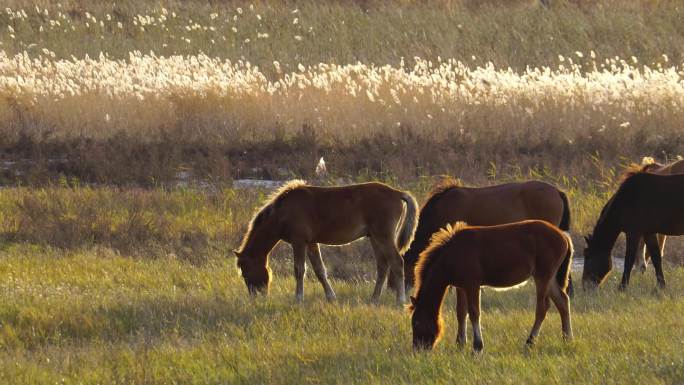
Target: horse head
(257, 276)
(597, 264)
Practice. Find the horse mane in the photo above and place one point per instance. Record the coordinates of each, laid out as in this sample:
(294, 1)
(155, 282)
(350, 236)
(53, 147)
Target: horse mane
(266, 210)
(427, 258)
(445, 184)
(613, 201)
(647, 165)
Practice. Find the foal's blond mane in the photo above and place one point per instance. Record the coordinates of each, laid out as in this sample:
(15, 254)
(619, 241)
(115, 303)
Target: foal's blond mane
(437, 241)
(267, 208)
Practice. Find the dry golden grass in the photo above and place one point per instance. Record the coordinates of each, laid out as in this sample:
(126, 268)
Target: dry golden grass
(214, 100)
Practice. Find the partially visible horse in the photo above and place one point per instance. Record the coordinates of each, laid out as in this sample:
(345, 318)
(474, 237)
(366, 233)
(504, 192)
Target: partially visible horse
(648, 164)
(500, 256)
(644, 205)
(450, 202)
(305, 216)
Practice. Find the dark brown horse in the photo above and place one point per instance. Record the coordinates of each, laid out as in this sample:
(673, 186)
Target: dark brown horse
(450, 202)
(499, 256)
(305, 216)
(644, 205)
(649, 165)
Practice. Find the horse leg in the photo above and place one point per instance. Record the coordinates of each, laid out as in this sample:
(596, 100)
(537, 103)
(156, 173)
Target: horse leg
(631, 248)
(299, 253)
(396, 263)
(652, 244)
(562, 302)
(661, 242)
(383, 268)
(473, 295)
(461, 315)
(385, 247)
(642, 257)
(542, 286)
(314, 253)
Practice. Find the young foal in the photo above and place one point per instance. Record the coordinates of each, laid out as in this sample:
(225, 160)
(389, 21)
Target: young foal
(499, 256)
(644, 205)
(305, 216)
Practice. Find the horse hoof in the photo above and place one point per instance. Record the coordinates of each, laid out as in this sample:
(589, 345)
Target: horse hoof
(622, 287)
(478, 346)
(529, 343)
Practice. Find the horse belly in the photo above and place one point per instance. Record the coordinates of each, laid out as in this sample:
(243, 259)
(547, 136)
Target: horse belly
(340, 234)
(507, 269)
(502, 279)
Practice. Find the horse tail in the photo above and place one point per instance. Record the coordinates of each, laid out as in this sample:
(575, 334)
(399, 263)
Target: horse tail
(409, 223)
(565, 219)
(563, 274)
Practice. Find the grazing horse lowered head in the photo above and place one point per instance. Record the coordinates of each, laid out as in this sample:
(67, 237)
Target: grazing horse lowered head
(450, 202)
(305, 216)
(644, 205)
(499, 256)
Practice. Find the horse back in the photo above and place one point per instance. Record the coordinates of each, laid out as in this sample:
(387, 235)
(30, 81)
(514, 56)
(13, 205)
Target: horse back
(651, 203)
(338, 215)
(505, 255)
(676, 167)
(506, 203)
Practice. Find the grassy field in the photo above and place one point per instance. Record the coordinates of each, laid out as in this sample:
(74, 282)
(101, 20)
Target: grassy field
(195, 225)
(96, 317)
(105, 285)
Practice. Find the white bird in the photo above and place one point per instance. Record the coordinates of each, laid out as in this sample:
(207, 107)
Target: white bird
(321, 171)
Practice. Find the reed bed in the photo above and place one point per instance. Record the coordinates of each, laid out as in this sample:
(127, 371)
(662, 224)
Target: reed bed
(212, 100)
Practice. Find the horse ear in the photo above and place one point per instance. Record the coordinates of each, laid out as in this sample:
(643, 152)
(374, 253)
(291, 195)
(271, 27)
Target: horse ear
(413, 300)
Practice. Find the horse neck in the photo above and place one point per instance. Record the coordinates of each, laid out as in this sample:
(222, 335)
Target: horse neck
(607, 228)
(432, 290)
(421, 238)
(420, 242)
(261, 241)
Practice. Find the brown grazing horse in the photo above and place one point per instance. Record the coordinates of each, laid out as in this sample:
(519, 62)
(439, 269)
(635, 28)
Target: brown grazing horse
(649, 165)
(500, 256)
(450, 202)
(305, 216)
(644, 205)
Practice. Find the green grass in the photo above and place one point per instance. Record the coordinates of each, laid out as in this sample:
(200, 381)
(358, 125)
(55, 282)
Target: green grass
(95, 317)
